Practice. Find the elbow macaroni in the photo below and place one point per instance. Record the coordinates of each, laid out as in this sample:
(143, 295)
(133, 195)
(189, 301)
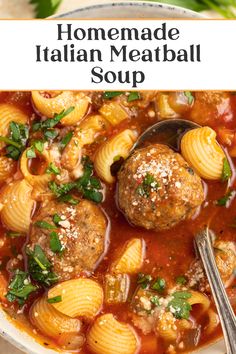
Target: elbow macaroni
(201, 150)
(51, 322)
(80, 297)
(117, 147)
(108, 336)
(131, 260)
(17, 206)
(83, 135)
(61, 101)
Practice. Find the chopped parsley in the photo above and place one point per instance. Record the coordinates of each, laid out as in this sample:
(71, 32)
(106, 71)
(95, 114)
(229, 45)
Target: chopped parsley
(55, 243)
(39, 266)
(133, 96)
(226, 198)
(13, 234)
(189, 96)
(62, 189)
(148, 184)
(111, 94)
(53, 169)
(65, 140)
(44, 225)
(50, 134)
(54, 300)
(159, 285)
(20, 287)
(226, 171)
(68, 198)
(52, 122)
(17, 140)
(144, 280)
(155, 300)
(179, 305)
(56, 219)
(87, 185)
(181, 280)
(36, 145)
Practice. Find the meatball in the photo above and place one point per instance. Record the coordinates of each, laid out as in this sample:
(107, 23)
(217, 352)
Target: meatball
(82, 232)
(157, 188)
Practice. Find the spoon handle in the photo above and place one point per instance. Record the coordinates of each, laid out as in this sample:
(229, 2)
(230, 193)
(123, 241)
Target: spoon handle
(225, 311)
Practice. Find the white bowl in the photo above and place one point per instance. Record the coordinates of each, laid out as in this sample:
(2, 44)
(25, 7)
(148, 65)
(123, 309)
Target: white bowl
(134, 9)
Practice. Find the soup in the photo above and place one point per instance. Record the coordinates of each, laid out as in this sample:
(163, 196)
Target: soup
(97, 241)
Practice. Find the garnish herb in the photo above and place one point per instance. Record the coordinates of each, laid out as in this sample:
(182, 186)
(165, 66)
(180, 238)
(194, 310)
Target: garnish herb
(30, 153)
(13, 234)
(53, 169)
(225, 199)
(20, 287)
(155, 300)
(159, 285)
(56, 219)
(87, 185)
(189, 96)
(181, 280)
(68, 198)
(44, 225)
(62, 189)
(226, 171)
(54, 300)
(52, 122)
(110, 94)
(50, 134)
(45, 8)
(148, 184)
(144, 280)
(36, 145)
(17, 139)
(55, 243)
(133, 96)
(65, 140)
(40, 267)
(179, 305)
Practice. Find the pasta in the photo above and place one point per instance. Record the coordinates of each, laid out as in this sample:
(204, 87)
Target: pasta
(84, 134)
(200, 299)
(131, 259)
(201, 150)
(60, 101)
(113, 112)
(166, 327)
(213, 321)
(17, 206)
(38, 182)
(117, 147)
(108, 336)
(80, 297)
(7, 168)
(53, 323)
(8, 114)
(225, 256)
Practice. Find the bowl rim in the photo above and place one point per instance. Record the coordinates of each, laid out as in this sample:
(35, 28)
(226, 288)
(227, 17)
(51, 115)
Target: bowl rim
(186, 13)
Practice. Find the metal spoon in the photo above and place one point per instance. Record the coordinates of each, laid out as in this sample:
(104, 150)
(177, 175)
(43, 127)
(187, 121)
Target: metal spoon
(227, 317)
(170, 132)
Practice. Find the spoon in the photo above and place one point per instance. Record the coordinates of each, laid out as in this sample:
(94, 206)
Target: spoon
(170, 132)
(203, 242)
